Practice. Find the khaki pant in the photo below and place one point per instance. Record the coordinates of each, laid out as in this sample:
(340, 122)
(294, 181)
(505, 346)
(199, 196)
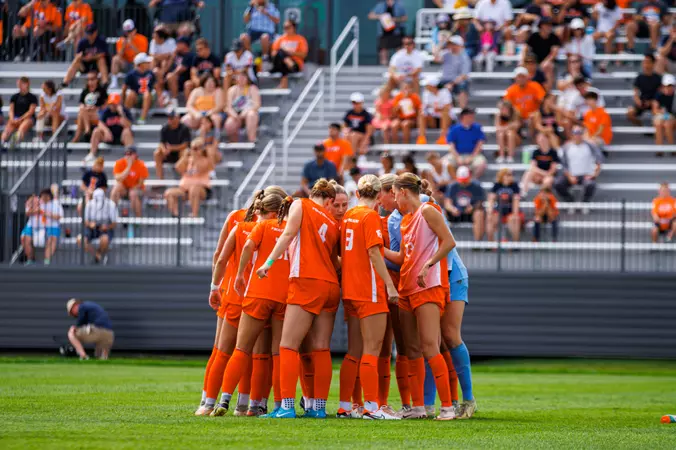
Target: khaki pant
(101, 337)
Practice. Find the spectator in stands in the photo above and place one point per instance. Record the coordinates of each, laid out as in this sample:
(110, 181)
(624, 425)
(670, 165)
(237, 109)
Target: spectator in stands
(391, 17)
(114, 127)
(195, 185)
(382, 120)
(647, 22)
(463, 27)
(507, 132)
(597, 123)
(92, 179)
(456, 66)
(138, 90)
(534, 72)
(205, 100)
(93, 327)
(581, 44)
(465, 141)
(440, 175)
(490, 47)
(288, 53)
(207, 132)
(409, 165)
(358, 124)
(441, 33)
(546, 211)
(573, 106)
(43, 228)
(242, 105)
(91, 56)
(52, 109)
(500, 13)
(405, 66)
(178, 77)
(663, 214)
(545, 45)
(574, 71)
(130, 174)
(528, 20)
(525, 95)
(436, 110)
(173, 14)
(581, 162)
(315, 169)
(261, 19)
(22, 107)
(92, 98)
(666, 57)
(544, 163)
(48, 22)
(351, 188)
(453, 4)
(607, 15)
(545, 121)
(646, 86)
(238, 60)
(664, 112)
(504, 206)
(407, 107)
(386, 164)
(464, 202)
(100, 220)
(78, 16)
(130, 44)
(174, 140)
(338, 150)
(162, 50)
(203, 62)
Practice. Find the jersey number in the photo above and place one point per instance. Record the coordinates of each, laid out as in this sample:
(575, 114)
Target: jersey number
(349, 239)
(322, 232)
(285, 255)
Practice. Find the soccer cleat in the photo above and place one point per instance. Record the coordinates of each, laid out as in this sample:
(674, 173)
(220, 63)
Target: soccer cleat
(389, 410)
(315, 414)
(467, 409)
(442, 140)
(302, 403)
(417, 412)
(343, 414)
(430, 410)
(422, 140)
(379, 415)
(446, 413)
(255, 411)
(403, 410)
(283, 413)
(357, 411)
(269, 415)
(220, 409)
(241, 411)
(204, 411)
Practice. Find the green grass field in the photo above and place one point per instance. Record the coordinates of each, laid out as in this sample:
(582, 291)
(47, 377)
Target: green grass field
(134, 403)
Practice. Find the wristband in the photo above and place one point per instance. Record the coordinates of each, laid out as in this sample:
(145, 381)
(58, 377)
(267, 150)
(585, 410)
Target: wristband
(214, 287)
(269, 263)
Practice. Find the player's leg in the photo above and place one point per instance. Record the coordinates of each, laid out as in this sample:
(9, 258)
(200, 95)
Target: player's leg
(226, 344)
(416, 364)
(322, 329)
(259, 372)
(349, 369)
(210, 362)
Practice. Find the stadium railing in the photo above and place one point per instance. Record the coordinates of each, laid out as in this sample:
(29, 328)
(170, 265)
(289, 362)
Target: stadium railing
(270, 154)
(352, 49)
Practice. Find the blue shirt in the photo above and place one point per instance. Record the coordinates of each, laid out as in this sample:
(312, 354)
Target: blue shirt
(112, 119)
(394, 229)
(140, 82)
(97, 47)
(262, 23)
(464, 196)
(397, 11)
(90, 313)
(465, 139)
(175, 11)
(313, 171)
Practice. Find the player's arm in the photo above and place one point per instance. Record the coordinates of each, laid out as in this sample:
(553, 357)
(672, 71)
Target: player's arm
(395, 257)
(222, 262)
(436, 222)
(290, 231)
(247, 253)
(379, 266)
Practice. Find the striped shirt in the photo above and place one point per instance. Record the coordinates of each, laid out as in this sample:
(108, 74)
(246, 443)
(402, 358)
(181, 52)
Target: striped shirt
(101, 212)
(262, 23)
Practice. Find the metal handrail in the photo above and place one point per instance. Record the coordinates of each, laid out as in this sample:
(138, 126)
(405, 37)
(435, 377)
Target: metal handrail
(287, 137)
(352, 48)
(242, 187)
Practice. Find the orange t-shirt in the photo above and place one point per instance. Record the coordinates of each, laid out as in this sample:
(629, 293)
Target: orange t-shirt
(336, 151)
(49, 13)
(294, 44)
(407, 107)
(539, 202)
(138, 171)
(360, 232)
(276, 285)
(233, 219)
(311, 250)
(526, 100)
(594, 119)
(76, 12)
(139, 42)
(665, 209)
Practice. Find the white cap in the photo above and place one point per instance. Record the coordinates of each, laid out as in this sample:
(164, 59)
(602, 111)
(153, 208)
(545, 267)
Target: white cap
(98, 194)
(463, 173)
(443, 18)
(668, 80)
(431, 80)
(457, 40)
(128, 25)
(142, 58)
(357, 97)
(70, 305)
(463, 13)
(520, 71)
(577, 24)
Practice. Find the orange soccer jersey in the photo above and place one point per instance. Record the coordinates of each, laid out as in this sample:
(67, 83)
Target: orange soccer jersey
(76, 12)
(233, 219)
(276, 285)
(526, 100)
(665, 210)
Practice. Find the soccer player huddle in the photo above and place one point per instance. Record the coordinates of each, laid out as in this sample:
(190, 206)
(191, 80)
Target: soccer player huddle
(280, 270)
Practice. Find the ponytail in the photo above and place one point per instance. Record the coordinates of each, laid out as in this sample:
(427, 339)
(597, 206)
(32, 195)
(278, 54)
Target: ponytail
(255, 205)
(413, 184)
(324, 189)
(284, 209)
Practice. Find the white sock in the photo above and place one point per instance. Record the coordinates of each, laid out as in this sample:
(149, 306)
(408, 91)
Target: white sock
(204, 395)
(254, 403)
(210, 402)
(288, 403)
(319, 403)
(309, 402)
(263, 402)
(347, 406)
(242, 399)
(371, 406)
(225, 397)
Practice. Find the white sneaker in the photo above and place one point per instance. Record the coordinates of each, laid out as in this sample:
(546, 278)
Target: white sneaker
(510, 160)
(467, 409)
(430, 410)
(446, 413)
(113, 83)
(89, 159)
(417, 412)
(357, 411)
(500, 160)
(379, 415)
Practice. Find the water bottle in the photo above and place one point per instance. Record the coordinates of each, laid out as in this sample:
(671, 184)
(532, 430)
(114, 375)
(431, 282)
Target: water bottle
(669, 418)
(525, 156)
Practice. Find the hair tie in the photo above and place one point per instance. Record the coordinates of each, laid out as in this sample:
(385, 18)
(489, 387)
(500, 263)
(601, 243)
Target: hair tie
(289, 199)
(419, 182)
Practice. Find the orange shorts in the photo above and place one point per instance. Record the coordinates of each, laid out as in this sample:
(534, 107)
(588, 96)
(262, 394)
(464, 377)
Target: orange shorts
(233, 312)
(362, 309)
(263, 309)
(437, 295)
(314, 296)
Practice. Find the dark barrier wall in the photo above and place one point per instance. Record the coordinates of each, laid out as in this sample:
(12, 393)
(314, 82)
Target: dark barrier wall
(508, 315)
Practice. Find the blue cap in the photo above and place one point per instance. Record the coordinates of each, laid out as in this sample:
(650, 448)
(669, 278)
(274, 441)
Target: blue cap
(184, 39)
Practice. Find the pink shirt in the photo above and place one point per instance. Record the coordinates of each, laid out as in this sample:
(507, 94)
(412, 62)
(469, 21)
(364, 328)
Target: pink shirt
(384, 108)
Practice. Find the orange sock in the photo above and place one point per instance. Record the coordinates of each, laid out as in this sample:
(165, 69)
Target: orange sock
(356, 393)
(368, 373)
(323, 373)
(384, 375)
(234, 371)
(268, 381)
(440, 372)
(277, 390)
(307, 375)
(244, 386)
(452, 376)
(288, 375)
(416, 380)
(348, 377)
(212, 358)
(401, 373)
(216, 373)
(259, 376)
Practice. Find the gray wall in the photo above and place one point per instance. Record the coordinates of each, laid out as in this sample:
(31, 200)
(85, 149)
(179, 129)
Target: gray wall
(509, 314)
